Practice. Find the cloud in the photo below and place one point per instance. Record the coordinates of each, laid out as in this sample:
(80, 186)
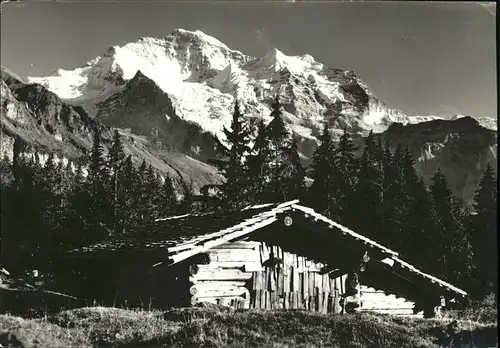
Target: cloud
(261, 34)
(263, 38)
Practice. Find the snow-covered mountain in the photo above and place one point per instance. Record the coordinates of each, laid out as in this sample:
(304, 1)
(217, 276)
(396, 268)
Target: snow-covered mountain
(201, 77)
(172, 96)
(39, 119)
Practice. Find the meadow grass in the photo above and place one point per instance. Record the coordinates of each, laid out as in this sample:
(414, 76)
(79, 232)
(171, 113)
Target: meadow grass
(213, 327)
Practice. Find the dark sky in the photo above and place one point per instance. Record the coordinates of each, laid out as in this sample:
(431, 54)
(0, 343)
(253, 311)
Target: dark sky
(423, 58)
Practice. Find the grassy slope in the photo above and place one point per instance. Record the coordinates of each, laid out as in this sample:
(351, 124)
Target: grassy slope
(87, 327)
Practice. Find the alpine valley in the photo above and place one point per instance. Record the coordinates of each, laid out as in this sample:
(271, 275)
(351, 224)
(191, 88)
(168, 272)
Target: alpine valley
(170, 98)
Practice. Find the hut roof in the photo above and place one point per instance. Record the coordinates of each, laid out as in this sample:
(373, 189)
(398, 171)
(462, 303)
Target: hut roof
(187, 235)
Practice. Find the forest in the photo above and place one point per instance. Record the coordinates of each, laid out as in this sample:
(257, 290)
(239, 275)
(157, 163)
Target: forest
(49, 206)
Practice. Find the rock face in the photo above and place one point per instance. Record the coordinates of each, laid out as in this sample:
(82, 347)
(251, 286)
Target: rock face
(461, 147)
(171, 97)
(40, 119)
(144, 108)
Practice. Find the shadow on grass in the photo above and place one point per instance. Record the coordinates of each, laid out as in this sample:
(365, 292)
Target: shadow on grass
(36, 303)
(479, 338)
(215, 327)
(283, 329)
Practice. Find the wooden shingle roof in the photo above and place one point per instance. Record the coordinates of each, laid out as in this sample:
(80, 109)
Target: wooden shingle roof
(441, 283)
(182, 237)
(176, 233)
(317, 217)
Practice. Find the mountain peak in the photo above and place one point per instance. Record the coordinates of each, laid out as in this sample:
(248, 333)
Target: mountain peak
(197, 35)
(275, 54)
(274, 60)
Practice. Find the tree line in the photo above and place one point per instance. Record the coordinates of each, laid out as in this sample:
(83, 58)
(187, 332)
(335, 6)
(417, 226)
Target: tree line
(56, 207)
(378, 194)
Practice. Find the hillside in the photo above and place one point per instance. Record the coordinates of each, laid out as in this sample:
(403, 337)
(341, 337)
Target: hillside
(40, 119)
(460, 147)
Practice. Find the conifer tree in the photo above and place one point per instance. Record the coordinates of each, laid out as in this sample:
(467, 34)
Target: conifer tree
(116, 157)
(18, 163)
(291, 173)
(345, 178)
(486, 195)
(276, 135)
(281, 170)
(256, 165)
(78, 219)
(394, 204)
(29, 236)
(452, 240)
(6, 198)
(48, 193)
(186, 205)
(424, 233)
(128, 196)
(368, 191)
(168, 200)
(321, 194)
(485, 232)
(147, 197)
(153, 198)
(416, 217)
(234, 191)
(98, 177)
(141, 195)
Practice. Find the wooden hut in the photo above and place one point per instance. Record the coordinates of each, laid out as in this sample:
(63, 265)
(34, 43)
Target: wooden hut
(272, 256)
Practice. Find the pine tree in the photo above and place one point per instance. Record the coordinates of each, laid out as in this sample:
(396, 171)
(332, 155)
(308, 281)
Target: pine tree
(147, 199)
(66, 187)
(415, 217)
(486, 195)
(6, 179)
(128, 196)
(283, 175)
(29, 232)
(17, 163)
(291, 173)
(186, 205)
(234, 191)
(141, 196)
(276, 135)
(98, 178)
(425, 233)
(153, 199)
(321, 192)
(441, 199)
(452, 240)
(368, 191)
(48, 188)
(256, 165)
(78, 218)
(394, 206)
(116, 158)
(485, 232)
(168, 200)
(345, 176)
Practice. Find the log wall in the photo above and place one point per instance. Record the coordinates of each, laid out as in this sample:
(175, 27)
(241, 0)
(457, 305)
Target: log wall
(248, 274)
(380, 302)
